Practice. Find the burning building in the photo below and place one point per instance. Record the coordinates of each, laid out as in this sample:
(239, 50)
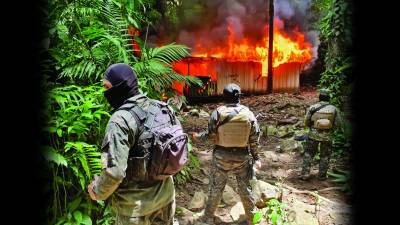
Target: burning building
(231, 46)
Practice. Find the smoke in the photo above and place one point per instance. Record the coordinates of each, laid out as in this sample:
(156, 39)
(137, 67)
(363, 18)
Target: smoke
(284, 9)
(207, 21)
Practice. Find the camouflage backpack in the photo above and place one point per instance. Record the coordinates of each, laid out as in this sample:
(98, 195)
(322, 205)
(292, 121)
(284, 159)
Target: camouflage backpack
(161, 146)
(233, 127)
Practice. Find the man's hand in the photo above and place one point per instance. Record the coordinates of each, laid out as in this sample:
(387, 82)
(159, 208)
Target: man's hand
(257, 165)
(90, 189)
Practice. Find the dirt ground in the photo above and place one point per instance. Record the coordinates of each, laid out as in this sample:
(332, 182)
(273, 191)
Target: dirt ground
(283, 167)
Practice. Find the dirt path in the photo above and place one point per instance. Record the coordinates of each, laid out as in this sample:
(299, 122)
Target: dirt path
(278, 166)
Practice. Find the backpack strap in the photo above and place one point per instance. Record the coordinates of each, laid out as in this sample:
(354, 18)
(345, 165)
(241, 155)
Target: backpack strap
(152, 112)
(229, 117)
(318, 108)
(138, 113)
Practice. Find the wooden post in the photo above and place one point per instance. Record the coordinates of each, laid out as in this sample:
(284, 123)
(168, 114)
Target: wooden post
(270, 46)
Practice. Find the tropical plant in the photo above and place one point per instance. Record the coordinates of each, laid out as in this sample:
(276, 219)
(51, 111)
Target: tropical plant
(156, 73)
(77, 113)
(83, 48)
(344, 178)
(88, 36)
(340, 144)
(334, 78)
(76, 214)
(76, 121)
(274, 213)
(335, 33)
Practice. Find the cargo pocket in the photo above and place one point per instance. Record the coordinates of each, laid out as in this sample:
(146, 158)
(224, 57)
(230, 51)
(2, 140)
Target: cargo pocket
(138, 168)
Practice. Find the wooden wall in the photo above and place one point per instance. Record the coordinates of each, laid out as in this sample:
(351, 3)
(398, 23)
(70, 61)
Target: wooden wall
(246, 74)
(287, 77)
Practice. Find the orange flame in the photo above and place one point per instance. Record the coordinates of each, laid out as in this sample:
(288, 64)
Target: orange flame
(286, 49)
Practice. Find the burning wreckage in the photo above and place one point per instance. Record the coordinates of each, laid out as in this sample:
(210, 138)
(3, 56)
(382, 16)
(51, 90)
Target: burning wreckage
(231, 46)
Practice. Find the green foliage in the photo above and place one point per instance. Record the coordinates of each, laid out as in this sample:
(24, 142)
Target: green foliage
(88, 36)
(334, 79)
(341, 144)
(155, 69)
(53, 156)
(108, 217)
(91, 35)
(335, 32)
(77, 113)
(189, 13)
(76, 214)
(344, 178)
(274, 213)
(320, 6)
(317, 156)
(76, 120)
(178, 211)
(186, 173)
(83, 156)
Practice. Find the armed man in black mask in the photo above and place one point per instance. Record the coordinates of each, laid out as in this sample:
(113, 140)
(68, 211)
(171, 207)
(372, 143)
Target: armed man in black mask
(135, 197)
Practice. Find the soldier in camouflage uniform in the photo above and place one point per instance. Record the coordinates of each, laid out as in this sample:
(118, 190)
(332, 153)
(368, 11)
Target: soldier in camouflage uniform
(321, 137)
(144, 203)
(238, 160)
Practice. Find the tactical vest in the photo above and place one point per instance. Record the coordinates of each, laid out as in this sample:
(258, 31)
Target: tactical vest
(233, 128)
(324, 118)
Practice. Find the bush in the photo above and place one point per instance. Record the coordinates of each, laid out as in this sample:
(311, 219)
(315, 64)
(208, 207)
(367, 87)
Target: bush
(77, 117)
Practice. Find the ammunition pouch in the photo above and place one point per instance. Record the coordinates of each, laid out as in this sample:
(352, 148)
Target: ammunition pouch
(323, 124)
(234, 134)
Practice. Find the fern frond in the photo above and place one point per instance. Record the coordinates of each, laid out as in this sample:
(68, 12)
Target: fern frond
(85, 68)
(169, 53)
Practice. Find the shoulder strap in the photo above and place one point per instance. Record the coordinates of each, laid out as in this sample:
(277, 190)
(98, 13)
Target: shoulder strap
(229, 117)
(137, 112)
(318, 108)
(152, 112)
(140, 116)
(147, 118)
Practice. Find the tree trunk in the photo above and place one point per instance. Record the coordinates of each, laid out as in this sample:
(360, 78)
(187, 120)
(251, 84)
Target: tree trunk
(270, 46)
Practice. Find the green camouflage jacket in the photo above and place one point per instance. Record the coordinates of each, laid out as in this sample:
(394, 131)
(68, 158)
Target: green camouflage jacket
(133, 199)
(254, 137)
(322, 135)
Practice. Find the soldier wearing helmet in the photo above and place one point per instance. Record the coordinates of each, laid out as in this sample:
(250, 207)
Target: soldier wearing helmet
(236, 133)
(322, 119)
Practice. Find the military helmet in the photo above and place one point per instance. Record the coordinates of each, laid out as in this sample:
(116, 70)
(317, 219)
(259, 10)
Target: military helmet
(324, 94)
(232, 91)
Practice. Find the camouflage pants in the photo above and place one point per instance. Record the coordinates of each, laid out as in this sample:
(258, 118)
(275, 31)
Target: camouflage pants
(163, 216)
(218, 180)
(311, 147)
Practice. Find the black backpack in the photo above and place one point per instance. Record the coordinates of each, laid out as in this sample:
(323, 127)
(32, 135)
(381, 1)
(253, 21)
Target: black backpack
(161, 146)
